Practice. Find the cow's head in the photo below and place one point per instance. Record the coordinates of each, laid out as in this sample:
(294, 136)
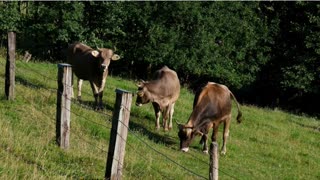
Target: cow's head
(104, 56)
(186, 135)
(143, 95)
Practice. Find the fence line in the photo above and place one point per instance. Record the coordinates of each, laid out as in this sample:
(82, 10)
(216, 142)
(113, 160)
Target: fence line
(150, 147)
(162, 153)
(55, 90)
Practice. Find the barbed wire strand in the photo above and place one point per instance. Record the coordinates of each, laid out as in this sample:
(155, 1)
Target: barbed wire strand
(138, 138)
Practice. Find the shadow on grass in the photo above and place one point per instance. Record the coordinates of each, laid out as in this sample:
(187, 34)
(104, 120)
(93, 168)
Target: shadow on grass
(90, 105)
(29, 84)
(153, 136)
(308, 126)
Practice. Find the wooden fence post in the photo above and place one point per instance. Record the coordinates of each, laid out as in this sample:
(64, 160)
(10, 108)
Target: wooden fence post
(63, 105)
(213, 171)
(118, 137)
(10, 66)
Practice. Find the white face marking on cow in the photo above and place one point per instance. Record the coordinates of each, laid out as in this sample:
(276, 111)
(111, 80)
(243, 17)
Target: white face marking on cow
(105, 67)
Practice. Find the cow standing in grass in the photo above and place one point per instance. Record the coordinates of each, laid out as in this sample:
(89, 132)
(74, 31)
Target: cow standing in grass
(211, 107)
(91, 65)
(163, 91)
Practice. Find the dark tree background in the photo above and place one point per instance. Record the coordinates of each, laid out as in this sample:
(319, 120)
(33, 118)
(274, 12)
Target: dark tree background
(266, 52)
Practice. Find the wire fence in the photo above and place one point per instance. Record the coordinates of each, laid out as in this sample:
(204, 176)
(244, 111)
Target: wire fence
(42, 88)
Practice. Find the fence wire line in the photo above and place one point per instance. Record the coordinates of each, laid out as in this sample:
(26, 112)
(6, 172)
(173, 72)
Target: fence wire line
(79, 136)
(134, 135)
(160, 152)
(55, 90)
(16, 68)
(141, 155)
(84, 117)
(68, 99)
(124, 107)
(77, 115)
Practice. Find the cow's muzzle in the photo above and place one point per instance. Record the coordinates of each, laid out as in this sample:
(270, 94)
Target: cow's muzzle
(138, 104)
(185, 149)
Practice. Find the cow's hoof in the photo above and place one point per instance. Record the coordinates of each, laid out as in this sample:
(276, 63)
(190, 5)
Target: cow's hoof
(205, 151)
(223, 153)
(98, 108)
(186, 149)
(79, 98)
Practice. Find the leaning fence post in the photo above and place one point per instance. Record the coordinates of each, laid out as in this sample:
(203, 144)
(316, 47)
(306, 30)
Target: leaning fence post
(63, 105)
(119, 131)
(10, 66)
(213, 171)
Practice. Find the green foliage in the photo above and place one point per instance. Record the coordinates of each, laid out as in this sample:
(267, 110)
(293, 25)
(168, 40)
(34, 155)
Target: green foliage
(51, 27)
(9, 16)
(192, 45)
(292, 74)
(245, 45)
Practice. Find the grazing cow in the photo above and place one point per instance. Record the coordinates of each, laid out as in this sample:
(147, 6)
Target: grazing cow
(163, 91)
(211, 106)
(91, 65)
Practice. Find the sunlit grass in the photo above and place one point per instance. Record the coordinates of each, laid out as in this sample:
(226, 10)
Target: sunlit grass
(268, 144)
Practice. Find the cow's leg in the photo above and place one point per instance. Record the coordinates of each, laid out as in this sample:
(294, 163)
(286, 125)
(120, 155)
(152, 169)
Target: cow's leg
(95, 94)
(214, 132)
(100, 95)
(225, 134)
(79, 84)
(157, 112)
(171, 111)
(100, 91)
(165, 117)
(204, 141)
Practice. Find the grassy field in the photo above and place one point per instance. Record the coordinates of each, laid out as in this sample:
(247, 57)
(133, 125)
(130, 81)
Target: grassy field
(268, 144)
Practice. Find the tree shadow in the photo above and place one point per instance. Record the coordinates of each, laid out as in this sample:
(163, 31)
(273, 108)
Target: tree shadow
(29, 84)
(90, 105)
(314, 128)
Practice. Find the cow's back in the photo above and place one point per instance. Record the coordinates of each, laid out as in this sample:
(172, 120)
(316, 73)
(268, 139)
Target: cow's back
(79, 56)
(213, 100)
(168, 84)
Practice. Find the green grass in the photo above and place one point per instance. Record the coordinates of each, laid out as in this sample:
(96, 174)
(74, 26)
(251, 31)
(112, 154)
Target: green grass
(269, 144)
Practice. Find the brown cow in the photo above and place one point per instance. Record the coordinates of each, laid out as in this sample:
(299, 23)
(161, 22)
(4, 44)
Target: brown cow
(92, 65)
(163, 91)
(211, 106)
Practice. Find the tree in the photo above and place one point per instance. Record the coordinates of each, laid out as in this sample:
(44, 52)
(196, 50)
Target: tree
(294, 68)
(51, 27)
(9, 19)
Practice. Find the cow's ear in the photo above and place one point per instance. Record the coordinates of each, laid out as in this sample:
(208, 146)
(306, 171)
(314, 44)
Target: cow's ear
(140, 84)
(115, 57)
(95, 53)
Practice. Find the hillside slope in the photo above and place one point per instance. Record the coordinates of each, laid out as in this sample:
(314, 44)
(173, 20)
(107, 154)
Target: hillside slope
(269, 144)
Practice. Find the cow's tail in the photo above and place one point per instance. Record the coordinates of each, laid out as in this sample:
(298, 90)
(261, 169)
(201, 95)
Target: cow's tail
(238, 106)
